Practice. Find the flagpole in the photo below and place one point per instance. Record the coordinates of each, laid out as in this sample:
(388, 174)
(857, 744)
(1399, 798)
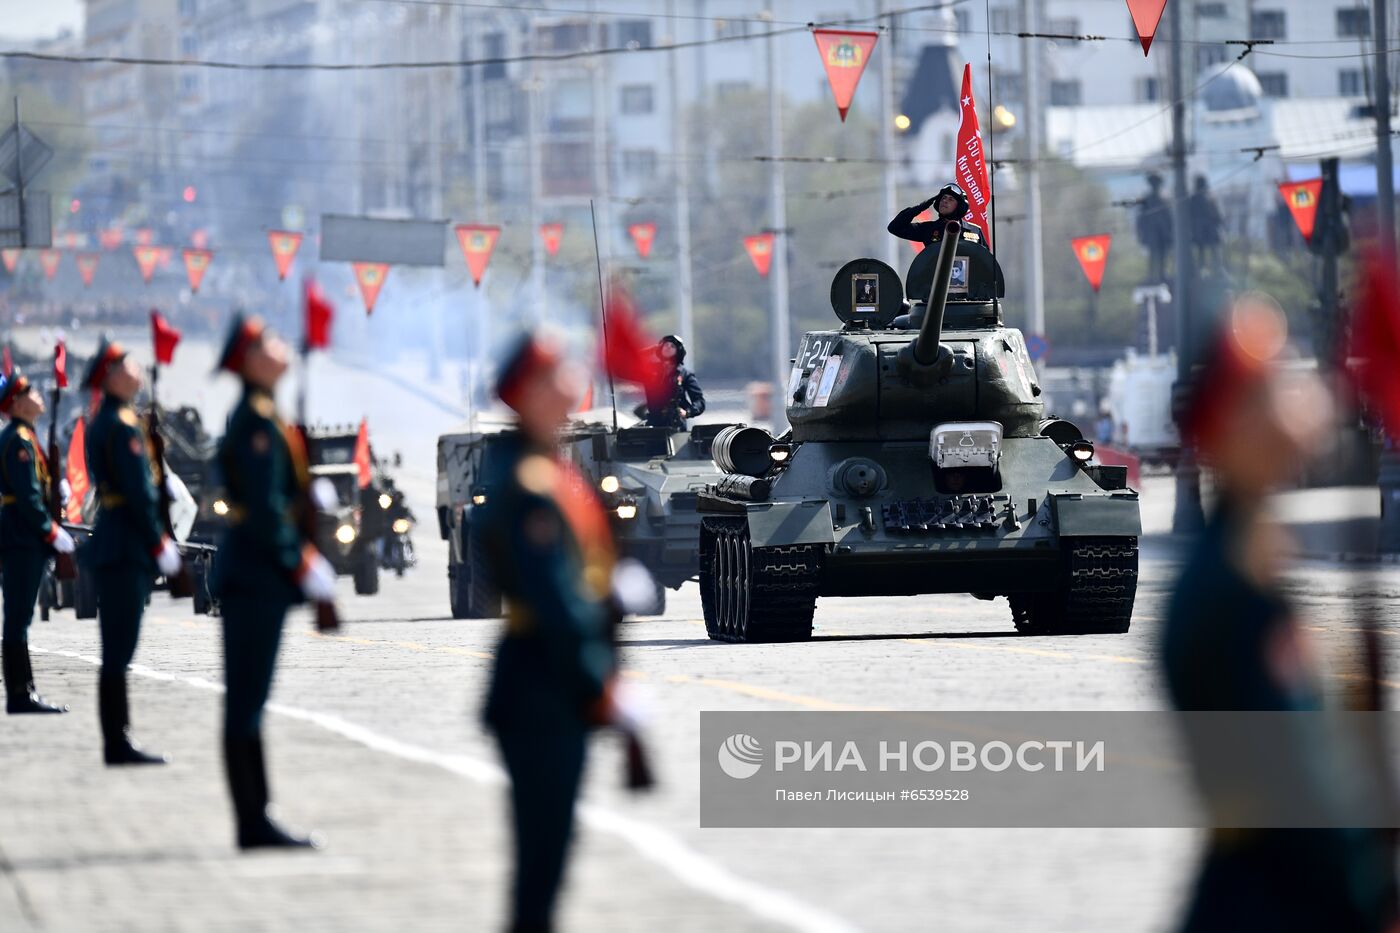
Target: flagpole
(603, 310)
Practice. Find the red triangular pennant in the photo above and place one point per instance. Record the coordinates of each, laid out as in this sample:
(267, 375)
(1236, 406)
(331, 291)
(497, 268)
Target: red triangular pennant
(11, 259)
(844, 56)
(196, 263)
(760, 249)
(552, 234)
(1092, 253)
(1146, 15)
(49, 260)
(477, 242)
(642, 237)
(146, 259)
(1302, 198)
(284, 245)
(87, 266)
(371, 276)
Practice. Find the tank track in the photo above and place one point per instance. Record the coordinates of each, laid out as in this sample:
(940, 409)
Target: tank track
(756, 594)
(1100, 583)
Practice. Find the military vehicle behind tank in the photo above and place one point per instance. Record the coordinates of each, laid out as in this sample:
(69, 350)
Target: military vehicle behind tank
(461, 458)
(919, 461)
(349, 534)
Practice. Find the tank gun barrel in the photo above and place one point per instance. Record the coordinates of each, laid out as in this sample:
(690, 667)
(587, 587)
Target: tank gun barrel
(931, 330)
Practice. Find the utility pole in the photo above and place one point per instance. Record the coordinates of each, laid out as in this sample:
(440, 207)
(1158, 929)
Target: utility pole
(19, 181)
(532, 144)
(778, 276)
(1385, 179)
(478, 74)
(602, 168)
(1187, 518)
(1035, 259)
(682, 184)
(885, 114)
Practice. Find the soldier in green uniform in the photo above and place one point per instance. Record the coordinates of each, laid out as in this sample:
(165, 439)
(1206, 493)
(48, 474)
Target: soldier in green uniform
(27, 536)
(128, 541)
(550, 550)
(1233, 641)
(263, 566)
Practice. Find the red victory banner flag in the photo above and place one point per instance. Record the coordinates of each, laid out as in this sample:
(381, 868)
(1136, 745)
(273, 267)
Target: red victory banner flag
(1092, 253)
(164, 338)
(844, 56)
(970, 163)
(196, 264)
(760, 249)
(642, 237)
(146, 259)
(163, 255)
(87, 266)
(552, 234)
(284, 245)
(1301, 198)
(477, 242)
(1146, 15)
(371, 276)
(363, 462)
(199, 239)
(49, 260)
(110, 238)
(924, 216)
(629, 353)
(319, 315)
(144, 236)
(60, 365)
(76, 472)
(11, 259)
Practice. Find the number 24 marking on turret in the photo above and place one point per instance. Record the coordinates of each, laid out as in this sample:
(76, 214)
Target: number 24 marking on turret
(817, 352)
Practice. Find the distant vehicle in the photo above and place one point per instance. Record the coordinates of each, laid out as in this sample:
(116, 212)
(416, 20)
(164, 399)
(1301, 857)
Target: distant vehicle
(1139, 400)
(349, 534)
(461, 458)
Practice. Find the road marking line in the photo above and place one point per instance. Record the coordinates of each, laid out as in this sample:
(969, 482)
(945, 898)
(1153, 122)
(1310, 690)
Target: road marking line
(1038, 652)
(765, 693)
(665, 849)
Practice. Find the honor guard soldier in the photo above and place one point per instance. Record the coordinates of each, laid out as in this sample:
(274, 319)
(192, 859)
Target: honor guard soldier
(263, 567)
(27, 537)
(549, 549)
(950, 204)
(1233, 641)
(128, 541)
(684, 398)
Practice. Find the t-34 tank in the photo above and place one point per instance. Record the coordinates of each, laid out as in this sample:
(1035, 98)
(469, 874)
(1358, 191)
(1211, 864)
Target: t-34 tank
(919, 461)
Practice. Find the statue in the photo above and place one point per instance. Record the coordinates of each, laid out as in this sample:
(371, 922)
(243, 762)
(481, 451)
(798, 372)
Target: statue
(1154, 228)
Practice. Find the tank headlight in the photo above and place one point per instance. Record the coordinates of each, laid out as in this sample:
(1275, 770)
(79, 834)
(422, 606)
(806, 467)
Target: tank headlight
(609, 484)
(627, 511)
(780, 453)
(1082, 451)
(401, 526)
(385, 500)
(220, 507)
(345, 534)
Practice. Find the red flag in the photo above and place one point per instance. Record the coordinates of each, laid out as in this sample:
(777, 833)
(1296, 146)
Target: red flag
(319, 314)
(362, 460)
(10, 258)
(642, 237)
(49, 260)
(586, 402)
(110, 238)
(196, 263)
(1375, 342)
(87, 266)
(844, 56)
(60, 365)
(760, 249)
(164, 337)
(552, 234)
(144, 236)
(1092, 253)
(7, 363)
(970, 166)
(371, 276)
(1146, 15)
(76, 472)
(1302, 198)
(284, 245)
(477, 242)
(921, 217)
(628, 353)
(200, 239)
(146, 259)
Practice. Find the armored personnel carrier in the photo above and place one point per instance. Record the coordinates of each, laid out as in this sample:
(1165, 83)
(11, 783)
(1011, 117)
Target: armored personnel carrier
(461, 458)
(919, 461)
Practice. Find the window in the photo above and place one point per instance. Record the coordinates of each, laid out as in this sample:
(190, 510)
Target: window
(189, 8)
(1006, 19)
(493, 45)
(634, 33)
(1207, 55)
(189, 45)
(1274, 83)
(1149, 89)
(1353, 22)
(1066, 93)
(639, 164)
(637, 98)
(190, 84)
(564, 37)
(731, 28)
(1349, 83)
(1210, 10)
(1008, 85)
(964, 21)
(1267, 24)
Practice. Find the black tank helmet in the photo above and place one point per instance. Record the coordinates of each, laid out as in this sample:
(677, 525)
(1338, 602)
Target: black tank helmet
(957, 193)
(676, 342)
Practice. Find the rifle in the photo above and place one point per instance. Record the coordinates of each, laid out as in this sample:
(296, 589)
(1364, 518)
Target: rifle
(181, 585)
(65, 567)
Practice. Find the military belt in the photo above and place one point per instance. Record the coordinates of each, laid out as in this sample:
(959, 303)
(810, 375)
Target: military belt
(112, 500)
(8, 499)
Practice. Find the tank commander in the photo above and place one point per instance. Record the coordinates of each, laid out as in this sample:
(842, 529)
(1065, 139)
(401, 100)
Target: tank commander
(950, 204)
(684, 398)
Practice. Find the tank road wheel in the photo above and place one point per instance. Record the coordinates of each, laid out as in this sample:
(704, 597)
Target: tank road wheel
(470, 590)
(755, 594)
(1099, 585)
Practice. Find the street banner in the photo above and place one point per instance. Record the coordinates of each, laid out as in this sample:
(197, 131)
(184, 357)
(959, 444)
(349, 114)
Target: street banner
(970, 164)
(1302, 198)
(49, 260)
(163, 256)
(76, 470)
(146, 259)
(477, 242)
(110, 238)
(284, 245)
(1146, 15)
(844, 56)
(1092, 253)
(925, 216)
(164, 338)
(642, 237)
(144, 236)
(371, 276)
(319, 314)
(552, 234)
(87, 267)
(363, 464)
(196, 263)
(760, 248)
(199, 239)
(11, 259)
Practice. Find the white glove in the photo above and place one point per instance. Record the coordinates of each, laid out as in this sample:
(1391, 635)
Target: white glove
(63, 542)
(168, 558)
(318, 583)
(65, 491)
(629, 709)
(633, 588)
